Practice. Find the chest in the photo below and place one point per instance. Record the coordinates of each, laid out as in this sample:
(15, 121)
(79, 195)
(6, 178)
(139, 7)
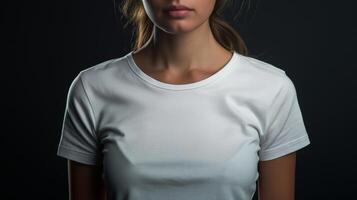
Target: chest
(175, 139)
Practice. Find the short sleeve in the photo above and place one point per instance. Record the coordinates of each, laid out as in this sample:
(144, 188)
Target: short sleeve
(78, 139)
(285, 132)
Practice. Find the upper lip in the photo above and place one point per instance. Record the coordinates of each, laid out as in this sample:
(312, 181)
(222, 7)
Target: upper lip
(177, 7)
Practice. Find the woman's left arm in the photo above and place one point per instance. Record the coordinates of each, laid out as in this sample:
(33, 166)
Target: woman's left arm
(277, 178)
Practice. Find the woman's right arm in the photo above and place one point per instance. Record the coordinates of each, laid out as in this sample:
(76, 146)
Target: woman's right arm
(85, 182)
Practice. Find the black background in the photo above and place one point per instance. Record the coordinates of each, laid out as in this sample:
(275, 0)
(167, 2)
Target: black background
(46, 43)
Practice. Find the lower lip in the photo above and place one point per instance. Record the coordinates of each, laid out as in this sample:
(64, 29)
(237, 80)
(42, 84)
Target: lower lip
(178, 13)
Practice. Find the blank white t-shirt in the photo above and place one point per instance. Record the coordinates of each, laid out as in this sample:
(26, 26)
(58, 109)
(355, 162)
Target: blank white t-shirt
(194, 141)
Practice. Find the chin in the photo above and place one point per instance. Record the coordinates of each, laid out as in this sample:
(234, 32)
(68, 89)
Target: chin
(179, 27)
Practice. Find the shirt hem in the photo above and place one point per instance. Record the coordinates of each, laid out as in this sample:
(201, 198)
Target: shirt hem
(284, 149)
(65, 152)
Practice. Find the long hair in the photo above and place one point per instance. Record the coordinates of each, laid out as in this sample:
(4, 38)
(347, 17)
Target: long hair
(224, 33)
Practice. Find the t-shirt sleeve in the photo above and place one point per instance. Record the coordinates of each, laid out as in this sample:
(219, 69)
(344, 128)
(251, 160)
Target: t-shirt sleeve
(286, 130)
(78, 139)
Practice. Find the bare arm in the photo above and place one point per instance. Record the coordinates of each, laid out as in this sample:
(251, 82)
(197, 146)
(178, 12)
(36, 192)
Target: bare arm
(277, 178)
(85, 182)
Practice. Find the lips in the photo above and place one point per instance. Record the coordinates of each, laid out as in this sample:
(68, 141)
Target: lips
(177, 7)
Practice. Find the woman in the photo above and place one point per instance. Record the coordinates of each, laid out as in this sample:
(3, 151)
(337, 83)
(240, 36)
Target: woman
(185, 115)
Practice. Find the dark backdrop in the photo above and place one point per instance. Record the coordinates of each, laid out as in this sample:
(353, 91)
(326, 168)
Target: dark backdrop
(46, 43)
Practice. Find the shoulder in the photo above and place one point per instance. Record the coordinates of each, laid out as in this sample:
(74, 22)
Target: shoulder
(264, 82)
(100, 78)
(261, 67)
(103, 69)
(264, 74)
(103, 74)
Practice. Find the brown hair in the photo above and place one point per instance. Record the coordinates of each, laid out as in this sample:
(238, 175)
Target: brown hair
(225, 34)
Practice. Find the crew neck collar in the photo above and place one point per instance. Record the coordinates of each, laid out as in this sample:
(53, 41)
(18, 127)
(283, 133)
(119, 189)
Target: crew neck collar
(148, 79)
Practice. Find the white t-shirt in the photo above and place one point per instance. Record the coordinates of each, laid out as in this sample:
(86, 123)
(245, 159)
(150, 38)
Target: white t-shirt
(196, 141)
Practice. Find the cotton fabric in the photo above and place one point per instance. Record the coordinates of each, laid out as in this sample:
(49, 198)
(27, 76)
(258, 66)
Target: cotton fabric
(197, 141)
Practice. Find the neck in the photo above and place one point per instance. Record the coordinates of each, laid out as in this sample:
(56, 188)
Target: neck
(183, 51)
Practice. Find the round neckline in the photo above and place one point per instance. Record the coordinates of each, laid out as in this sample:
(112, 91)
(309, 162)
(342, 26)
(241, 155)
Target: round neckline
(148, 79)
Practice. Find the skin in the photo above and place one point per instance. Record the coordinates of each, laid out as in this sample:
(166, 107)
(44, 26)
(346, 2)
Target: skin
(181, 50)
(184, 51)
(85, 182)
(277, 178)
